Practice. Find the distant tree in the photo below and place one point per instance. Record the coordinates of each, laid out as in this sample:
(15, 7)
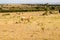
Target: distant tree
(37, 7)
(0, 8)
(46, 9)
(59, 10)
(52, 8)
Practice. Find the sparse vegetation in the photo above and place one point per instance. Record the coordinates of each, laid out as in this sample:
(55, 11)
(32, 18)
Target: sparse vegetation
(30, 24)
(52, 8)
(27, 8)
(42, 28)
(59, 10)
(45, 39)
(6, 14)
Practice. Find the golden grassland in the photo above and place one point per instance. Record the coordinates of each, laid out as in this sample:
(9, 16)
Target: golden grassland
(29, 26)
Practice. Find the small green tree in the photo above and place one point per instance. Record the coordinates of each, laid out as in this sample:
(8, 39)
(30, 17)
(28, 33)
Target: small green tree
(46, 9)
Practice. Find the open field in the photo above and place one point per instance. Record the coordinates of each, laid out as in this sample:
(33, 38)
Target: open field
(29, 26)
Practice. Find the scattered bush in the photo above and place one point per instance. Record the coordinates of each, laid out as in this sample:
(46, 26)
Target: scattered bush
(50, 12)
(52, 8)
(42, 28)
(37, 7)
(44, 13)
(5, 14)
(59, 10)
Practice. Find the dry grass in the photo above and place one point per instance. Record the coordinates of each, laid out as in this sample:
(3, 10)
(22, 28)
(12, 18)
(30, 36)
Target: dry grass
(37, 28)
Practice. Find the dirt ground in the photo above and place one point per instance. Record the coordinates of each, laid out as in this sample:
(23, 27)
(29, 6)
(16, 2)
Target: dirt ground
(29, 26)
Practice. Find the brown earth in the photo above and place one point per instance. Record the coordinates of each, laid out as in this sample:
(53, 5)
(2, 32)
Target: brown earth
(29, 26)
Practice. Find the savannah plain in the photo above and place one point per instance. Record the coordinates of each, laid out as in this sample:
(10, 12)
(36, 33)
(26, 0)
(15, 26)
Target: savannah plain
(29, 26)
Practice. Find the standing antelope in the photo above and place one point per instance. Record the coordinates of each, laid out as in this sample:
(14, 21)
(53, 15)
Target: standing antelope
(25, 18)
